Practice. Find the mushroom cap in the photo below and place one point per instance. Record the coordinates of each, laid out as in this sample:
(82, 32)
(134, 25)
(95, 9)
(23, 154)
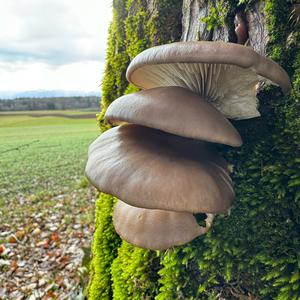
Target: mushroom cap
(225, 74)
(175, 110)
(153, 228)
(152, 169)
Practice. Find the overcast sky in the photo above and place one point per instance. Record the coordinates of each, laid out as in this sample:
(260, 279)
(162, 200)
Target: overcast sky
(53, 44)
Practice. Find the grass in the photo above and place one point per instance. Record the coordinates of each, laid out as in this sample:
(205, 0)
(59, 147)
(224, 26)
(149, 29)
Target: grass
(42, 186)
(43, 154)
(50, 112)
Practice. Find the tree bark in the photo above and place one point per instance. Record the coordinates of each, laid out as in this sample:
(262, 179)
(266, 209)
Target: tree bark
(193, 27)
(258, 34)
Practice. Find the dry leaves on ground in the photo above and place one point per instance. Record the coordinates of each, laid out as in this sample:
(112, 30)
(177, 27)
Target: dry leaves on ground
(44, 245)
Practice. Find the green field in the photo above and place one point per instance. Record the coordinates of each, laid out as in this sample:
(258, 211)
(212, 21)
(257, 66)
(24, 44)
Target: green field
(43, 154)
(46, 203)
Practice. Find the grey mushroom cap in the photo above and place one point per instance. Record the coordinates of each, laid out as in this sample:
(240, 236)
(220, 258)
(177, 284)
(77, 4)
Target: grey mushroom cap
(225, 74)
(155, 229)
(149, 168)
(175, 110)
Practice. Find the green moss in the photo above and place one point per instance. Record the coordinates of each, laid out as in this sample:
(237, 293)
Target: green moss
(105, 245)
(134, 273)
(136, 29)
(179, 276)
(254, 251)
(216, 17)
(165, 22)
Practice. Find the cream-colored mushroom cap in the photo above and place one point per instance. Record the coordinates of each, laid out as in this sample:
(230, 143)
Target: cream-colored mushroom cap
(153, 228)
(225, 74)
(175, 110)
(152, 169)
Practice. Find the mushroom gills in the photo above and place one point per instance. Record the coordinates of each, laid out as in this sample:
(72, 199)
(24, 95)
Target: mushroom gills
(229, 88)
(225, 74)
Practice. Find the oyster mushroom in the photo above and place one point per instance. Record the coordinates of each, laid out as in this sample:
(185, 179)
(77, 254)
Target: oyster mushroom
(155, 165)
(156, 229)
(175, 110)
(148, 168)
(225, 74)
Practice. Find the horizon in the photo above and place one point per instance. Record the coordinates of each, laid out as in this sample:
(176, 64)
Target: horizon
(40, 93)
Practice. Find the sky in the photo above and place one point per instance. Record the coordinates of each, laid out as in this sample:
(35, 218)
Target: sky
(53, 44)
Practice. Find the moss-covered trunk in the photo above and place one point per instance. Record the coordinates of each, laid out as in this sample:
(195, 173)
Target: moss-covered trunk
(255, 252)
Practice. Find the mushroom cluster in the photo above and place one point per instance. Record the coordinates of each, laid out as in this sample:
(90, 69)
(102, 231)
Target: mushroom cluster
(159, 159)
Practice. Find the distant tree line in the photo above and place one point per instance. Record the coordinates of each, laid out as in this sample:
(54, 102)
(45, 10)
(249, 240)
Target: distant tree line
(63, 103)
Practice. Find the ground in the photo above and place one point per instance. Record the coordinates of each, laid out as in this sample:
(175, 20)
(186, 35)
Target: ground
(46, 204)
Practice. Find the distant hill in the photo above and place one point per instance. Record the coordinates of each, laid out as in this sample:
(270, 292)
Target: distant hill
(6, 95)
(57, 103)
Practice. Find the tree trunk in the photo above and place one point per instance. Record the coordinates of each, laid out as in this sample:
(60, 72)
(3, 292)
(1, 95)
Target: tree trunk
(193, 27)
(254, 252)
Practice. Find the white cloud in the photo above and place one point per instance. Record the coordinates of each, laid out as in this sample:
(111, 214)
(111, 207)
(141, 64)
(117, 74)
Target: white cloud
(52, 43)
(84, 76)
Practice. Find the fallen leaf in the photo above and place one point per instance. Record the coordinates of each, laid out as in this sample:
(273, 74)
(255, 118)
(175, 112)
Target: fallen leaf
(12, 239)
(59, 280)
(79, 234)
(51, 254)
(64, 259)
(2, 249)
(49, 295)
(14, 264)
(46, 244)
(36, 231)
(20, 234)
(43, 243)
(54, 237)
